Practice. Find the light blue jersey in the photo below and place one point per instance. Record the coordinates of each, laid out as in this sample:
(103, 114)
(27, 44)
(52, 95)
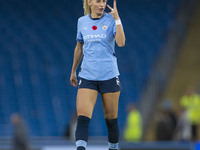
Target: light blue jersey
(99, 60)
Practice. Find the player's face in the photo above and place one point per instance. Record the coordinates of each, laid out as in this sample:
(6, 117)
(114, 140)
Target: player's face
(97, 6)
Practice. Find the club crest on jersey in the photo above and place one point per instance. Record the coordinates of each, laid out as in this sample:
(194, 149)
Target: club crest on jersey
(104, 27)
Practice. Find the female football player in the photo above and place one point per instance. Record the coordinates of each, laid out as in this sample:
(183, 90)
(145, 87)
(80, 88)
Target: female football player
(96, 36)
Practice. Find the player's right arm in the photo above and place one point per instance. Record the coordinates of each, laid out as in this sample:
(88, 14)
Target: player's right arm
(78, 54)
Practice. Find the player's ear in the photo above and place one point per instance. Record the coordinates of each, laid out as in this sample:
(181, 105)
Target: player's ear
(89, 2)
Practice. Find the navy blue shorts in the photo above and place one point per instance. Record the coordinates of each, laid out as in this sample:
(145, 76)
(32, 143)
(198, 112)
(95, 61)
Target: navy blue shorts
(107, 86)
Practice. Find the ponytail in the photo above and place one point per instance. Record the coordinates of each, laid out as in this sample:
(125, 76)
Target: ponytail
(86, 7)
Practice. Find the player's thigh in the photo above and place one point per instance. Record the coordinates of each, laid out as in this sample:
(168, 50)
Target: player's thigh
(110, 104)
(86, 99)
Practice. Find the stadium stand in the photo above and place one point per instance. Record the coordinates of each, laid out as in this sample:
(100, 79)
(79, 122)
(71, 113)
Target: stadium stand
(36, 52)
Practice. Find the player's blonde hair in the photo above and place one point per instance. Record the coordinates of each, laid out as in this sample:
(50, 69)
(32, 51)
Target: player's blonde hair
(86, 7)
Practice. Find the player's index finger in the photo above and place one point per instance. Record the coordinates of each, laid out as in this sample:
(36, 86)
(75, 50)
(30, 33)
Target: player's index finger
(109, 7)
(114, 3)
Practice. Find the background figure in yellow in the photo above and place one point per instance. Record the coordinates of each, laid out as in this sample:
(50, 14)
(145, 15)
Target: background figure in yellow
(133, 129)
(191, 103)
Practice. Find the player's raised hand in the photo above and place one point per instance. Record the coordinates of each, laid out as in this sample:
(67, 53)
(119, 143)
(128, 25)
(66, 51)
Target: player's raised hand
(114, 11)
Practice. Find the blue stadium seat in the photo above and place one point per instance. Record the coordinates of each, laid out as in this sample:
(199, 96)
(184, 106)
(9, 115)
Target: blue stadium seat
(36, 53)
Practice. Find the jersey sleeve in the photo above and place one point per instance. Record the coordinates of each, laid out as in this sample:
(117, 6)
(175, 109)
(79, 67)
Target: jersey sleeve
(79, 36)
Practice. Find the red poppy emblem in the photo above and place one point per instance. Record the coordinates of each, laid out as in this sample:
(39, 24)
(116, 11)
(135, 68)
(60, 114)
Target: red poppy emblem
(94, 27)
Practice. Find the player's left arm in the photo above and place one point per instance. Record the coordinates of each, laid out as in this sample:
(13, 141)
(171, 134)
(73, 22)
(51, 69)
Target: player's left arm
(120, 36)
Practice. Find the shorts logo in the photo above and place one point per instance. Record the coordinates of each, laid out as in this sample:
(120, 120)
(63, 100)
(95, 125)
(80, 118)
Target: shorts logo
(117, 81)
(105, 27)
(80, 82)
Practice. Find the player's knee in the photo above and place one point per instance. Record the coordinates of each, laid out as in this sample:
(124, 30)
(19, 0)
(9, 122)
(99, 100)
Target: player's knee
(84, 112)
(110, 115)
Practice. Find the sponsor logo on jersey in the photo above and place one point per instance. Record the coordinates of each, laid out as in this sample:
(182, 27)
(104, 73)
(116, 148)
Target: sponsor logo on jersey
(94, 36)
(104, 27)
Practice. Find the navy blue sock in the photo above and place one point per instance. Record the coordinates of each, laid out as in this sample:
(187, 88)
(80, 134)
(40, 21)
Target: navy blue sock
(80, 148)
(82, 132)
(113, 133)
